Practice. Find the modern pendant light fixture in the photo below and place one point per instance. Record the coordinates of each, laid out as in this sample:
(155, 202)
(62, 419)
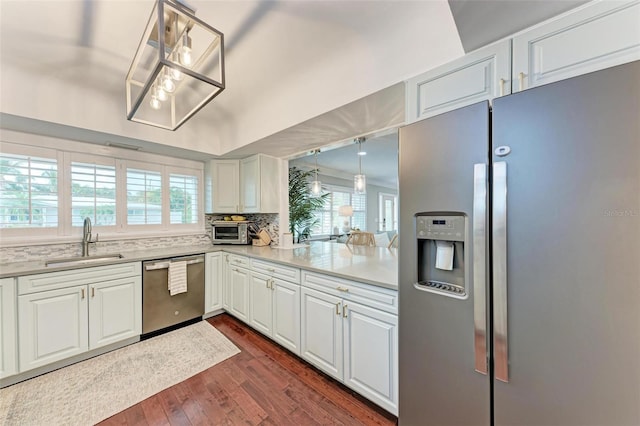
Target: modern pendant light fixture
(178, 67)
(360, 180)
(316, 186)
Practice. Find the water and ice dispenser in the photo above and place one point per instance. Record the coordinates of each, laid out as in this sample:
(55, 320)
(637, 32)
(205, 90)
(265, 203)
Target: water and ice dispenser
(441, 241)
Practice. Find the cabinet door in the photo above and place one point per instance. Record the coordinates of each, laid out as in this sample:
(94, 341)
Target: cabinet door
(371, 354)
(213, 276)
(250, 185)
(239, 293)
(226, 282)
(8, 337)
(52, 325)
(480, 75)
(261, 303)
(224, 185)
(115, 311)
(596, 36)
(286, 314)
(321, 333)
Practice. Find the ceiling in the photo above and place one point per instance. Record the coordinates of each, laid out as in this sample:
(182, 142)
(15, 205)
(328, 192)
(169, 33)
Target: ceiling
(300, 74)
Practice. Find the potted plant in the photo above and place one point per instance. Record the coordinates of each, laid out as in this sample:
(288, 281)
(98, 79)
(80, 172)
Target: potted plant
(302, 204)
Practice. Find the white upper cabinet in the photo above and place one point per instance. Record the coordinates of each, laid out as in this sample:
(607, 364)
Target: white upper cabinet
(480, 75)
(224, 178)
(250, 185)
(259, 184)
(597, 36)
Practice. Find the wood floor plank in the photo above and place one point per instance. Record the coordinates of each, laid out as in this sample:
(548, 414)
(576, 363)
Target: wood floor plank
(264, 384)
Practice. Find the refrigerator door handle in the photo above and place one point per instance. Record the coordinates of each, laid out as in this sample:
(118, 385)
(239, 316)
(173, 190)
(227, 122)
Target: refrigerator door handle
(479, 266)
(500, 333)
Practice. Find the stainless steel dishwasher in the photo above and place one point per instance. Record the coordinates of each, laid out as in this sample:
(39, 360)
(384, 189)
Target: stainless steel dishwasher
(160, 309)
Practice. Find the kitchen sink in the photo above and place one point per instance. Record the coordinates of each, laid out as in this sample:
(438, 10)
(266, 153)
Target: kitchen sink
(82, 260)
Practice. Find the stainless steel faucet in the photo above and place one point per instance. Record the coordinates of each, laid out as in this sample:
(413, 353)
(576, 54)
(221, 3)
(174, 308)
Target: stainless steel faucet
(86, 237)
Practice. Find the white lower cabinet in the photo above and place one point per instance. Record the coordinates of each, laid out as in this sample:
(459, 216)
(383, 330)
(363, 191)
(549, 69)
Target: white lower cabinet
(370, 354)
(115, 309)
(322, 331)
(355, 343)
(274, 309)
(8, 337)
(68, 319)
(238, 287)
(213, 277)
(53, 325)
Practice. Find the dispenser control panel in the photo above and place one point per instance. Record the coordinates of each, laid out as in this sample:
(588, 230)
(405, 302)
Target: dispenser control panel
(447, 228)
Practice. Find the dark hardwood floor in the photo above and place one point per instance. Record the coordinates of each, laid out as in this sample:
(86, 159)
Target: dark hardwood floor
(263, 385)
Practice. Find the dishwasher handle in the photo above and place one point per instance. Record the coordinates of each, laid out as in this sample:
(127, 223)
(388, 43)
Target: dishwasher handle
(165, 264)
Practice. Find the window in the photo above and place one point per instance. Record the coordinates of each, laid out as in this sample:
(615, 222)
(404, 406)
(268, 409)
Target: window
(329, 218)
(183, 198)
(93, 194)
(28, 191)
(144, 197)
(47, 192)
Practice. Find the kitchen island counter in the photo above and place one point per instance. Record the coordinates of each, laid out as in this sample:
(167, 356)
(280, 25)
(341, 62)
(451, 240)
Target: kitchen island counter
(372, 265)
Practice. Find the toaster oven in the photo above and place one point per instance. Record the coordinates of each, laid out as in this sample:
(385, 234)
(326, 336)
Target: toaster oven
(230, 232)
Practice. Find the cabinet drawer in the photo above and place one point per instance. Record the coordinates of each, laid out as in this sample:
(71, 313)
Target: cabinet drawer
(375, 297)
(62, 279)
(275, 270)
(240, 261)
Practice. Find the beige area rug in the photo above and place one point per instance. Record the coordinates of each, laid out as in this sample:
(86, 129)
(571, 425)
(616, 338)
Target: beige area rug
(93, 390)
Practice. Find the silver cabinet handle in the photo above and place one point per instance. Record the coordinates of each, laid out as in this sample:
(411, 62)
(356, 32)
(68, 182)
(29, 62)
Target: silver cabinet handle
(93, 292)
(272, 282)
(82, 293)
(502, 86)
(479, 268)
(500, 332)
(271, 270)
(343, 289)
(521, 81)
(344, 311)
(338, 308)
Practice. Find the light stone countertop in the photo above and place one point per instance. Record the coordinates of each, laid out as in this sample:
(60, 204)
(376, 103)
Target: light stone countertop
(372, 265)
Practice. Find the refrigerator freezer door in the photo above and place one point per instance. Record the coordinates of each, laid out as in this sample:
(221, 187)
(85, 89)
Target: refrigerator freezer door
(438, 381)
(573, 241)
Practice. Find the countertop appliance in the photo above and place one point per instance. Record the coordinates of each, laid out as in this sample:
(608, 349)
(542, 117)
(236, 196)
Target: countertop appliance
(519, 254)
(161, 310)
(232, 232)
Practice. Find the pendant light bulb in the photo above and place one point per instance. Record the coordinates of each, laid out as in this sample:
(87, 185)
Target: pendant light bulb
(360, 180)
(185, 51)
(316, 185)
(161, 94)
(167, 84)
(155, 103)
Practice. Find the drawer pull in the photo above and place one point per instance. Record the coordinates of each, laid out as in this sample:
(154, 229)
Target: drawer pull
(344, 289)
(344, 311)
(271, 270)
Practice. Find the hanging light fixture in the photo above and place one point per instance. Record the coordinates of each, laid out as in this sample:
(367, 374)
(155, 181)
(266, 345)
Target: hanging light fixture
(178, 67)
(360, 180)
(316, 186)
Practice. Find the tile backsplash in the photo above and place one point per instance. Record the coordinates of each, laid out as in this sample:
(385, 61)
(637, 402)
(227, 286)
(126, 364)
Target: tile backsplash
(27, 253)
(37, 252)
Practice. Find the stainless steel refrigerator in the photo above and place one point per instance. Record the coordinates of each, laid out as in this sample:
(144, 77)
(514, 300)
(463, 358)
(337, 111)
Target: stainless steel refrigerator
(519, 258)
